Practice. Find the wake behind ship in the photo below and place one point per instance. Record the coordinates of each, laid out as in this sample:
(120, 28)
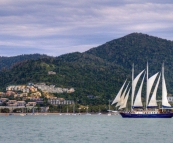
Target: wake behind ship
(137, 110)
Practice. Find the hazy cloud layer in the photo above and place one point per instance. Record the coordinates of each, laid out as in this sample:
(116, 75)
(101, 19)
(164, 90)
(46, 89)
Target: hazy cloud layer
(57, 27)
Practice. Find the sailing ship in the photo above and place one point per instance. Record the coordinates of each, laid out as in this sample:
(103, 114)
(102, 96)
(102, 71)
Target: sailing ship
(151, 108)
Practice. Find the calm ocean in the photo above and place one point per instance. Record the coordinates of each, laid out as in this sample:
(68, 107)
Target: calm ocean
(84, 129)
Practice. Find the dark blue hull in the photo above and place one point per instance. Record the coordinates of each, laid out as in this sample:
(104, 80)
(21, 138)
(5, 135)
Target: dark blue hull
(160, 115)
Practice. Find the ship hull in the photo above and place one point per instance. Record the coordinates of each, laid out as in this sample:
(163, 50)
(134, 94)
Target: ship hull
(160, 115)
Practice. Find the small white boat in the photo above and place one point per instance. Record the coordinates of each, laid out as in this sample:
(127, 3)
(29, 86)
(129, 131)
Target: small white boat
(99, 112)
(74, 114)
(87, 111)
(67, 112)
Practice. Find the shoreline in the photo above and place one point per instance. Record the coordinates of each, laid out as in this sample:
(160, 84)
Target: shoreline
(59, 114)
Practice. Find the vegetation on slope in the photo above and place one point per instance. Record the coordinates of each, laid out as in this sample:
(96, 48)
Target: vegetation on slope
(100, 71)
(7, 62)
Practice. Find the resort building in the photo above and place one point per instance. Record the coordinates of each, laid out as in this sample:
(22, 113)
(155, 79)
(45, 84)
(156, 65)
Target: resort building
(52, 89)
(31, 104)
(60, 101)
(16, 103)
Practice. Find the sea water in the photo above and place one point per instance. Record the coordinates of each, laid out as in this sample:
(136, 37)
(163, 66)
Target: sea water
(84, 129)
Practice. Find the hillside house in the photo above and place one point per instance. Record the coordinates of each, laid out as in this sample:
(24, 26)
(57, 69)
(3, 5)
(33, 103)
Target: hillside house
(51, 73)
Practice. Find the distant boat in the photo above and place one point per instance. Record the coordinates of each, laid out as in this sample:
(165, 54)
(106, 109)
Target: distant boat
(99, 112)
(22, 114)
(33, 111)
(115, 112)
(151, 110)
(74, 110)
(87, 111)
(60, 111)
(67, 111)
(109, 114)
(79, 111)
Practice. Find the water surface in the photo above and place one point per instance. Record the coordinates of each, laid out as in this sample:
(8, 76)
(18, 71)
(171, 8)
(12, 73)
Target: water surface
(84, 129)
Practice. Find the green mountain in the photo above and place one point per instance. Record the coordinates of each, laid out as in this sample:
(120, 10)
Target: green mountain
(139, 48)
(7, 62)
(99, 71)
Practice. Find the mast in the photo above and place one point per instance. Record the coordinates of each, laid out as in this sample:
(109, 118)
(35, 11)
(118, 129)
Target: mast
(163, 80)
(74, 108)
(87, 109)
(162, 84)
(147, 86)
(132, 87)
(109, 106)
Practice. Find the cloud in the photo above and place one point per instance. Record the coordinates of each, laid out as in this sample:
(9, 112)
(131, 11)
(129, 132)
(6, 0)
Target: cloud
(66, 26)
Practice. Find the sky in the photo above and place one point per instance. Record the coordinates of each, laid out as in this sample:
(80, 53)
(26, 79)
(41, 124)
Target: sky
(56, 27)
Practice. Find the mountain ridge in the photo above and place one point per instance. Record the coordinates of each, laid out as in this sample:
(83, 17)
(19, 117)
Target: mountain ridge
(7, 62)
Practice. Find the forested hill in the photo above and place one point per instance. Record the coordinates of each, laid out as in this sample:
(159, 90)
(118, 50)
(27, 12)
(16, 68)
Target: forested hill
(139, 48)
(136, 48)
(7, 62)
(99, 71)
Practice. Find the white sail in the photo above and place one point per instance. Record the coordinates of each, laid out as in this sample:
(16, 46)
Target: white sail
(146, 85)
(122, 97)
(138, 101)
(164, 91)
(149, 86)
(153, 101)
(134, 82)
(125, 100)
(117, 98)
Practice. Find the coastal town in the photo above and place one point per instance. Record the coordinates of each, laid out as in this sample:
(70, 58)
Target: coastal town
(32, 96)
